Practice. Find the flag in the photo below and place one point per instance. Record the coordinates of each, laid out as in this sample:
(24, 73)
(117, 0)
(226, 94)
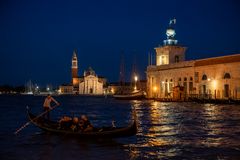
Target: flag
(173, 21)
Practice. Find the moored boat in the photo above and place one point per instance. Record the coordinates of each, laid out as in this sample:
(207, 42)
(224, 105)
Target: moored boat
(131, 96)
(100, 132)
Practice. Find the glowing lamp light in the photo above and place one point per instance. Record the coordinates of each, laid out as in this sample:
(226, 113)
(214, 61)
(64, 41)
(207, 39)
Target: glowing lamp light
(136, 78)
(214, 84)
(209, 79)
(112, 90)
(154, 88)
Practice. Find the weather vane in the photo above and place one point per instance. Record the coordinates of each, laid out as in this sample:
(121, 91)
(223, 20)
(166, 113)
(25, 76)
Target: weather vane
(172, 21)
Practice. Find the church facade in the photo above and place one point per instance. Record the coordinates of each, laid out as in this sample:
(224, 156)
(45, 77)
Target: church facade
(89, 83)
(174, 77)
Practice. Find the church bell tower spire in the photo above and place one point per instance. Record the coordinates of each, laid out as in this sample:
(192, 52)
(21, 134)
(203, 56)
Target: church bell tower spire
(74, 65)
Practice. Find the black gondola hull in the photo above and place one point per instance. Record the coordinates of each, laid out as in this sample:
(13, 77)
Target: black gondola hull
(105, 132)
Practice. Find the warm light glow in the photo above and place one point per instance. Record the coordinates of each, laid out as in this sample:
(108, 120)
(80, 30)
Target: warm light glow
(75, 81)
(136, 78)
(112, 90)
(214, 84)
(155, 89)
(163, 82)
(209, 79)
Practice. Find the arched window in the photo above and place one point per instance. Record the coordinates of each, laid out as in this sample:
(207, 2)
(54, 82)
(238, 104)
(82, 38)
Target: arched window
(227, 76)
(170, 80)
(179, 79)
(166, 80)
(185, 78)
(191, 79)
(204, 77)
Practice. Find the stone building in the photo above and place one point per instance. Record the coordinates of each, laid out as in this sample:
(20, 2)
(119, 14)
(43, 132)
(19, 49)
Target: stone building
(66, 89)
(89, 83)
(174, 77)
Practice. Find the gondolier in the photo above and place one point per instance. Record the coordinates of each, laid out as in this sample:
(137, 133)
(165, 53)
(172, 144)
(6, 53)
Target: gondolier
(47, 105)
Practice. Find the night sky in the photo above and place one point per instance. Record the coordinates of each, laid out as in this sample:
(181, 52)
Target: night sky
(37, 38)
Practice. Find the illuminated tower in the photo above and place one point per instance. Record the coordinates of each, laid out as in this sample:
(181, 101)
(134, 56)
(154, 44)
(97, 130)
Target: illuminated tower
(170, 52)
(75, 78)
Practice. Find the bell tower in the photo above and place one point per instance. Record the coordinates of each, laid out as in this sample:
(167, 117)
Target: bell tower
(75, 78)
(170, 52)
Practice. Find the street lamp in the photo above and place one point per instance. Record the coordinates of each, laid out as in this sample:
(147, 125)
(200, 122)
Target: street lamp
(135, 78)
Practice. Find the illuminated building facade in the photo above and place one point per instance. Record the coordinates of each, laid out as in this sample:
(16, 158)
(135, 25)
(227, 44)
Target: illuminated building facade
(173, 77)
(90, 83)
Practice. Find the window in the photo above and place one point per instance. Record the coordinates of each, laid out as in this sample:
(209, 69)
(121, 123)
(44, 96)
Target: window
(190, 86)
(204, 77)
(227, 76)
(191, 78)
(196, 77)
(204, 89)
(185, 78)
(226, 90)
(176, 59)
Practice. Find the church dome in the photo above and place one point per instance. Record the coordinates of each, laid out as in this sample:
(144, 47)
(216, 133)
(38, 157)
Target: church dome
(90, 71)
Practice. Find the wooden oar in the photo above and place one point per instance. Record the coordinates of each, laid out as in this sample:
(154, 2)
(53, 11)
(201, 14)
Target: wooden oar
(26, 124)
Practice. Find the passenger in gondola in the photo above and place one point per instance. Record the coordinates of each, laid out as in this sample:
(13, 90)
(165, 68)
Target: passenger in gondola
(65, 122)
(87, 126)
(75, 126)
(80, 124)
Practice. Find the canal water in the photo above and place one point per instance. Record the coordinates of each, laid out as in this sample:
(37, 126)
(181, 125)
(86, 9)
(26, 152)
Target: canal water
(165, 130)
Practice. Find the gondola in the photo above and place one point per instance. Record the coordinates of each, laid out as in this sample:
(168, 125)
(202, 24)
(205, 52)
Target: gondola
(101, 132)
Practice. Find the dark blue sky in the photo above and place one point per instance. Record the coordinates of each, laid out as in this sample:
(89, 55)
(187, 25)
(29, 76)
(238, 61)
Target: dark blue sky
(37, 38)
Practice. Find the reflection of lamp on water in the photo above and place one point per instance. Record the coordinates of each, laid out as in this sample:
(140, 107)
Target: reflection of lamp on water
(135, 78)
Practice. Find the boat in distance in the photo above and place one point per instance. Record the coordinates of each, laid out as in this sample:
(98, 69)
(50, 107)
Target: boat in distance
(135, 95)
(100, 132)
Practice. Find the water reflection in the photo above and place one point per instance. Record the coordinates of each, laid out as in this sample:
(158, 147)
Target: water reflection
(165, 130)
(169, 129)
